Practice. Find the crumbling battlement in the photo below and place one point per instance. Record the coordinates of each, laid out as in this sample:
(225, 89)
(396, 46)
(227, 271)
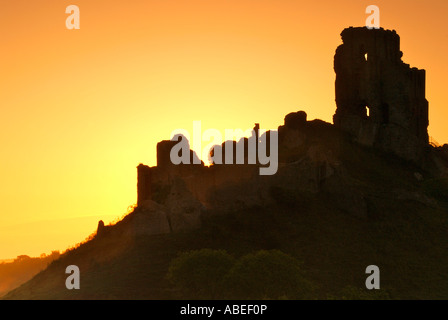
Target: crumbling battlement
(380, 99)
(223, 185)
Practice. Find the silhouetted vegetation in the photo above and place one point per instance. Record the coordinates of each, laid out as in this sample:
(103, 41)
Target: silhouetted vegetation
(437, 188)
(214, 274)
(354, 293)
(200, 274)
(268, 275)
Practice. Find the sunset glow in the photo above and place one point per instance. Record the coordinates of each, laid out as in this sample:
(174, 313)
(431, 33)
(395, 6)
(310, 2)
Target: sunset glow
(80, 109)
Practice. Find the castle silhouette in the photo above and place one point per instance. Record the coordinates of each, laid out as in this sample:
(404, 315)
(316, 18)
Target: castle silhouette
(380, 103)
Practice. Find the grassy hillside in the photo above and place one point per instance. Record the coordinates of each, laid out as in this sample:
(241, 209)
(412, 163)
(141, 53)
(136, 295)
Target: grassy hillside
(405, 234)
(410, 249)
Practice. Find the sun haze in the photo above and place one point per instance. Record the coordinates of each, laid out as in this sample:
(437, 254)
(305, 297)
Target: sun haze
(82, 108)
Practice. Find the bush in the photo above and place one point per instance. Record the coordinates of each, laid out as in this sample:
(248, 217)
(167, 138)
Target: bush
(214, 274)
(268, 275)
(199, 274)
(436, 188)
(353, 293)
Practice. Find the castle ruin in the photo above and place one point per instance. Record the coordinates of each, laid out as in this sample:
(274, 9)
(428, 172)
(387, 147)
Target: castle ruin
(380, 103)
(380, 99)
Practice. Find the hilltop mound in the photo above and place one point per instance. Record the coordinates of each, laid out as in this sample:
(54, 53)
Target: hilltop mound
(374, 208)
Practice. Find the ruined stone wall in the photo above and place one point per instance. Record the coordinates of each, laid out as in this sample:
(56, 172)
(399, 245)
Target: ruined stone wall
(174, 197)
(235, 185)
(143, 183)
(380, 100)
(203, 183)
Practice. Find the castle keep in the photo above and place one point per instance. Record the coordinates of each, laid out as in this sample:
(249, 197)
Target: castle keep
(380, 99)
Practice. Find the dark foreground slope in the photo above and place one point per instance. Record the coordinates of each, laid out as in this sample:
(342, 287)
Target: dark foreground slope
(403, 229)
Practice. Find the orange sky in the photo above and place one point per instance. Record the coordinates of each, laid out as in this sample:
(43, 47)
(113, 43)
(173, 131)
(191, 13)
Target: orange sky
(80, 109)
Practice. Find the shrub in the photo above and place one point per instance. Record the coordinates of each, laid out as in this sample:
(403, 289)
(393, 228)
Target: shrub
(199, 274)
(353, 293)
(268, 275)
(436, 188)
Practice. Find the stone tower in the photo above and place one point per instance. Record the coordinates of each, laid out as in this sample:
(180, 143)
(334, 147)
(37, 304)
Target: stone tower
(380, 99)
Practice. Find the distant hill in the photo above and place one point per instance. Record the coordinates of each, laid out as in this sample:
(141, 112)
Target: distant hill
(6, 260)
(14, 272)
